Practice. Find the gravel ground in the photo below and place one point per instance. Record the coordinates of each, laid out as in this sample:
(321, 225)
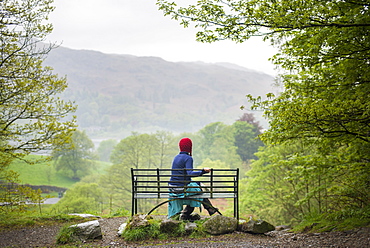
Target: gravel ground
(44, 236)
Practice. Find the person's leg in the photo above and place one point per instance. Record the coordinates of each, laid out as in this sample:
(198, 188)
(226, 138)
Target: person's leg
(185, 214)
(208, 206)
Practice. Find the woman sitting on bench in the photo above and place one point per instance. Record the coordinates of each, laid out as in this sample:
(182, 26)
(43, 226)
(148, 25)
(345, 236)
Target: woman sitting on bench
(179, 180)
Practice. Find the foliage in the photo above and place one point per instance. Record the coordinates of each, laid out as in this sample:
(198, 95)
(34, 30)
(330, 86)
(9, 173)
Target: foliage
(32, 116)
(216, 142)
(246, 140)
(105, 148)
(294, 180)
(250, 118)
(75, 159)
(136, 151)
(67, 234)
(213, 146)
(324, 51)
(16, 198)
(324, 223)
(234, 145)
(153, 231)
(150, 231)
(81, 198)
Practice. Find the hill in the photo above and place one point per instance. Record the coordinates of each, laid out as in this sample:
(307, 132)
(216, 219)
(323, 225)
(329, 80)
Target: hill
(118, 94)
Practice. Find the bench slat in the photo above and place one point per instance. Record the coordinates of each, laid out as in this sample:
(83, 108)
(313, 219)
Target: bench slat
(167, 195)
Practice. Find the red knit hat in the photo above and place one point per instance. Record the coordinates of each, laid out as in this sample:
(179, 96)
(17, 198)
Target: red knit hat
(185, 145)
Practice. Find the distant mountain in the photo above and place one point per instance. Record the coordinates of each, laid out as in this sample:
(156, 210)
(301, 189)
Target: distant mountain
(118, 94)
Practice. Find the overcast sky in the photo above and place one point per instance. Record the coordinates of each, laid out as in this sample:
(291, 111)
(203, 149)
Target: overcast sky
(137, 27)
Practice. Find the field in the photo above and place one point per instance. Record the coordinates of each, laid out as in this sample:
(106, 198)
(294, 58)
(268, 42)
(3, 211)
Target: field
(45, 174)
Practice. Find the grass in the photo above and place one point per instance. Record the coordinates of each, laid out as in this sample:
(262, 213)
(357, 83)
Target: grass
(14, 220)
(45, 174)
(67, 235)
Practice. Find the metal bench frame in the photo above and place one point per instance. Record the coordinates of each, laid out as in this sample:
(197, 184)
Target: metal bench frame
(154, 184)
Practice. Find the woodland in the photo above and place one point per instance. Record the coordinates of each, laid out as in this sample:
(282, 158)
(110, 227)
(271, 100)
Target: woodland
(312, 163)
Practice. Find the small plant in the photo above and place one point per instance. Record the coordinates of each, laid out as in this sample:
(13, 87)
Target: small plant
(150, 231)
(121, 212)
(154, 230)
(67, 234)
(199, 232)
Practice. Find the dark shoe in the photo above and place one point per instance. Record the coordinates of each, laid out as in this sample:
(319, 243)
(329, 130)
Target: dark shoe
(185, 217)
(212, 211)
(195, 216)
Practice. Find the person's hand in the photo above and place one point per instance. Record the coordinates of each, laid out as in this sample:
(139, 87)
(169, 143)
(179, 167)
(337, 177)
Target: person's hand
(207, 170)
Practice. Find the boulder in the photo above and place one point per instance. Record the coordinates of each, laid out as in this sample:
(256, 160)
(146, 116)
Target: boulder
(220, 224)
(87, 230)
(121, 229)
(138, 220)
(86, 215)
(282, 227)
(190, 227)
(167, 226)
(255, 226)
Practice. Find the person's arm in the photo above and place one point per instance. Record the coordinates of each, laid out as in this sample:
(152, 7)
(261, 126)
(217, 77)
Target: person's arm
(191, 172)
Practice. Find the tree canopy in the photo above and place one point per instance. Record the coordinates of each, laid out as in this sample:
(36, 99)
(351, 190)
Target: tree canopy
(32, 115)
(323, 47)
(75, 158)
(324, 54)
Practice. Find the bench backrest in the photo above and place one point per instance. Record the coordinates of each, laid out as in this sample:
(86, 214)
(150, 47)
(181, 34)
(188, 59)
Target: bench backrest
(154, 183)
(149, 181)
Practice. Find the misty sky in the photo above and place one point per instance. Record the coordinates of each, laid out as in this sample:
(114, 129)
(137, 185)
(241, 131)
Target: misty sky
(137, 27)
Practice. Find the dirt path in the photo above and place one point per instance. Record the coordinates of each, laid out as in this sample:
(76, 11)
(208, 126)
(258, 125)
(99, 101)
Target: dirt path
(45, 237)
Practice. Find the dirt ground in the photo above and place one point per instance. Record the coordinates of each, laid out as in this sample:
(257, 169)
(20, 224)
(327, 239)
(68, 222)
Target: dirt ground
(45, 236)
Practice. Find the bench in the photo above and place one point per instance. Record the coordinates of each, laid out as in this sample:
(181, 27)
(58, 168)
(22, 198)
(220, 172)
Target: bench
(154, 184)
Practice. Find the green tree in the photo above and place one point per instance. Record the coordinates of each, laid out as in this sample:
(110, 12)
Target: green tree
(105, 148)
(32, 116)
(82, 197)
(246, 140)
(75, 159)
(265, 192)
(166, 149)
(289, 181)
(324, 51)
(224, 149)
(207, 137)
(135, 151)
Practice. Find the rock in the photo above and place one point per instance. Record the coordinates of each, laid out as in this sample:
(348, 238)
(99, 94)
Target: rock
(220, 224)
(190, 227)
(121, 229)
(137, 221)
(282, 228)
(86, 215)
(167, 226)
(87, 230)
(255, 226)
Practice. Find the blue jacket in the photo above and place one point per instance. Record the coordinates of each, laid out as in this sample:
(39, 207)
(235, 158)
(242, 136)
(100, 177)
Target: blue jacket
(183, 161)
